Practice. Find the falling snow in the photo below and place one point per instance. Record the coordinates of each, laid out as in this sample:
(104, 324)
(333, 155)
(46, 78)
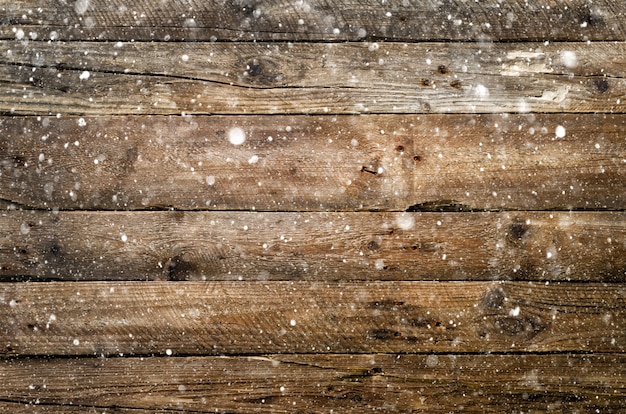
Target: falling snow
(236, 136)
(560, 131)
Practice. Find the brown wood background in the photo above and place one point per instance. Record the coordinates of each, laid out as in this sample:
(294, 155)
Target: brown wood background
(312, 206)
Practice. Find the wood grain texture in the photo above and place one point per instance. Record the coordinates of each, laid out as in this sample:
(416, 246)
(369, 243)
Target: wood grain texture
(291, 136)
(177, 246)
(299, 163)
(215, 318)
(337, 20)
(317, 383)
(43, 78)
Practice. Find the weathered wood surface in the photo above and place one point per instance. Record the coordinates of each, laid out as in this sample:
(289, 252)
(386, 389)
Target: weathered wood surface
(268, 78)
(214, 318)
(312, 20)
(297, 163)
(317, 383)
(84, 92)
(566, 246)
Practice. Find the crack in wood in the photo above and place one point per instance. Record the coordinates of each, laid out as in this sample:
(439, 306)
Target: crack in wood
(61, 67)
(440, 206)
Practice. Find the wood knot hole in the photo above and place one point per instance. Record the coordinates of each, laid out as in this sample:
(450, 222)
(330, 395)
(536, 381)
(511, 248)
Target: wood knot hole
(601, 84)
(456, 84)
(254, 68)
(517, 231)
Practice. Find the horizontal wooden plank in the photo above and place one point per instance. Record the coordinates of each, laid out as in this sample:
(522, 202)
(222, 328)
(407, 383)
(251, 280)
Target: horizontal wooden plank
(43, 78)
(317, 383)
(314, 20)
(200, 318)
(579, 246)
(298, 163)
(18, 408)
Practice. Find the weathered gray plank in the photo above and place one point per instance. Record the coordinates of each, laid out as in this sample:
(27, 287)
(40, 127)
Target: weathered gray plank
(314, 20)
(317, 383)
(579, 246)
(296, 163)
(246, 78)
(201, 318)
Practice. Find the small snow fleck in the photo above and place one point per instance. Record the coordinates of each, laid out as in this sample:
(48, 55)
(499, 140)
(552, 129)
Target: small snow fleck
(515, 311)
(85, 75)
(432, 360)
(81, 6)
(236, 136)
(48, 188)
(560, 131)
(124, 238)
(405, 221)
(569, 58)
(76, 342)
(379, 264)
(13, 303)
(19, 34)
(282, 389)
(292, 322)
(168, 352)
(210, 179)
(184, 58)
(81, 122)
(253, 160)
(481, 91)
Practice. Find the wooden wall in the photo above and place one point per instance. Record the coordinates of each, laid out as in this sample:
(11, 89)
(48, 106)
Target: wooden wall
(312, 206)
